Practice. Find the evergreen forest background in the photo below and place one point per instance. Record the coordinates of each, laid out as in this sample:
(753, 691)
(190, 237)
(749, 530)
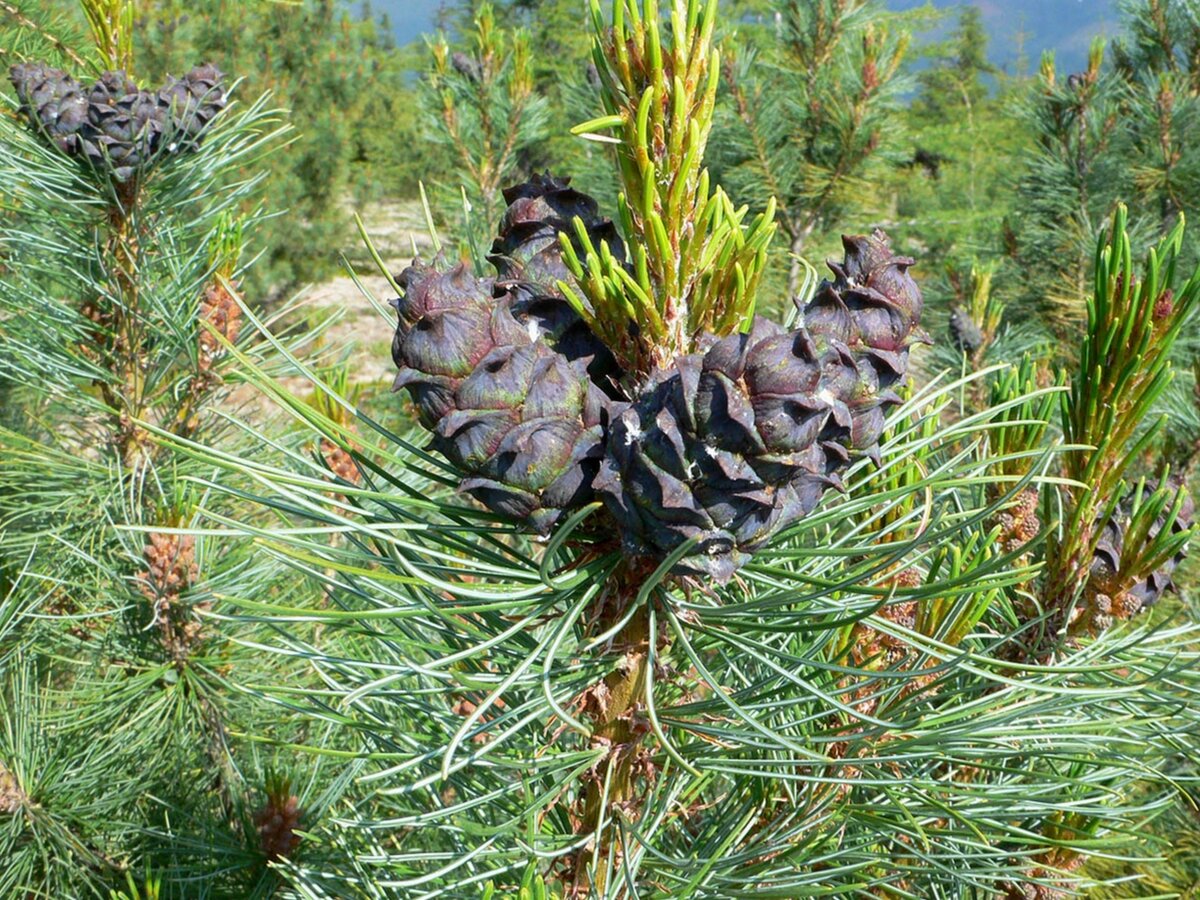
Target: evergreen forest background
(997, 166)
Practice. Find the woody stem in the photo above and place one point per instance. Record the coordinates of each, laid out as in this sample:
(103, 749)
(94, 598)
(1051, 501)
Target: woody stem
(615, 784)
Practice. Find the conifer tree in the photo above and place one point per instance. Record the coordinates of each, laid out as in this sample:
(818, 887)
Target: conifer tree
(486, 111)
(953, 189)
(331, 70)
(334, 72)
(1070, 185)
(122, 319)
(955, 82)
(792, 627)
(564, 75)
(1159, 61)
(814, 111)
(1112, 133)
(953, 91)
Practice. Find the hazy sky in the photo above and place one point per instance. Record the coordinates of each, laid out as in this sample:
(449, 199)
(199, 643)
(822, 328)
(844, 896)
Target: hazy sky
(1066, 26)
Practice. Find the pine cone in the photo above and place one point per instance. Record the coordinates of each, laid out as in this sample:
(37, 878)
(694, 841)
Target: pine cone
(193, 101)
(171, 569)
(51, 99)
(1106, 591)
(523, 421)
(115, 125)
(124, 125)
(665, 481)
(964, 333)
(468, 68)
(1019, 523)
(872, 303)
(735, 443)
(725, 447)
(527, 249)
(528, 260)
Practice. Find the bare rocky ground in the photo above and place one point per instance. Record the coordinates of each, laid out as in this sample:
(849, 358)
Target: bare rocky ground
(397, 229)
(358, 333)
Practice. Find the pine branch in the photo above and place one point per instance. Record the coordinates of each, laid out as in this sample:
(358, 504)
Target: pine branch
(24, 23)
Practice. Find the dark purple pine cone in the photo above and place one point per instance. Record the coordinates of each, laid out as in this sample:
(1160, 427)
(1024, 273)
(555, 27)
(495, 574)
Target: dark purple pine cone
(528, 260)
(51, 100)
(1111, 598)
(448, 321)
(527, 249)
(666, 480)
(124, 125)
(468, 68)
(192, 103)
(739, 441)
(115, 125)
(522, 421)
(872, 303)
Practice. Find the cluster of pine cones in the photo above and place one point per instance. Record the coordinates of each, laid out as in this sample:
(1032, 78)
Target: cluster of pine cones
(115, 125)
(719, 451)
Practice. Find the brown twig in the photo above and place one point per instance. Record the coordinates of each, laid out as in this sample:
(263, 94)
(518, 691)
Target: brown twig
(613, 705)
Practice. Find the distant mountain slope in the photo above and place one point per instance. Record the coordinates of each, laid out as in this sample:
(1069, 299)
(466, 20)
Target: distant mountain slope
(1065, 26)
